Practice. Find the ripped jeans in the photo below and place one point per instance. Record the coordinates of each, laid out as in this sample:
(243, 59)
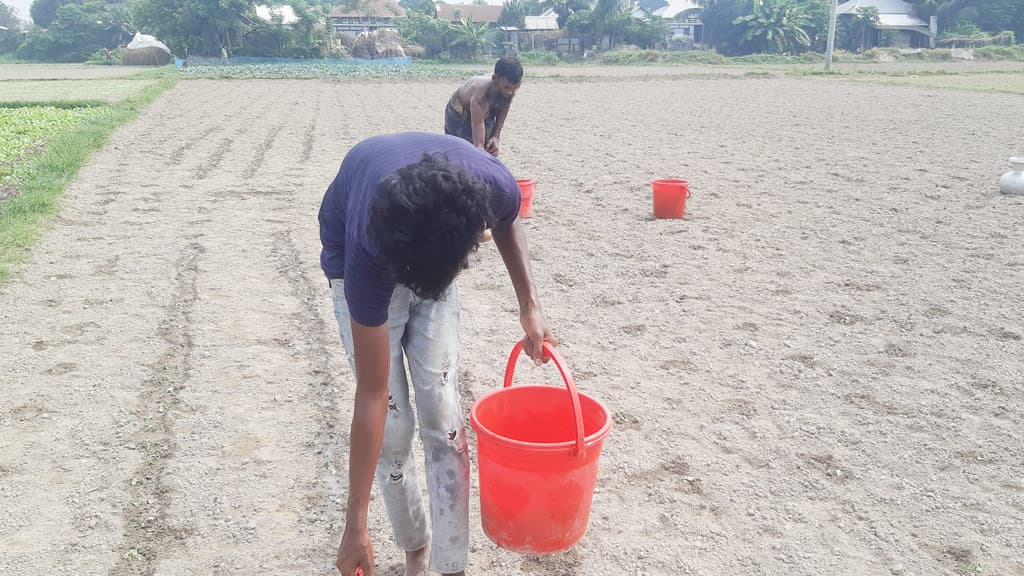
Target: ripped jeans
(424, 334)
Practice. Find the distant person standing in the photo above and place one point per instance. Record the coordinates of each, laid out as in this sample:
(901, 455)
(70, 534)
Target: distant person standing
(476, 111)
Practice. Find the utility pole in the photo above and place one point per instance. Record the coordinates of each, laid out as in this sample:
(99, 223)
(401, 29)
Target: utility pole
(831, 34)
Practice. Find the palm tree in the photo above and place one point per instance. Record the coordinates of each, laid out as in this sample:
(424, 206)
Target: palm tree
(945, 10)
(776, 26)
(864, 19)
(513, 13)
(470, 39)
(565, 8)
(607, 17)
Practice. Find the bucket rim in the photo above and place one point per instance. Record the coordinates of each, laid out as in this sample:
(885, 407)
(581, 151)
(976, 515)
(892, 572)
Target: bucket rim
(670, 181)
(569, 446)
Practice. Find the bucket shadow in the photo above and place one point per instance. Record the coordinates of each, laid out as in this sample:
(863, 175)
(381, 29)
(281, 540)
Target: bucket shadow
(567, 563)
(650, 217)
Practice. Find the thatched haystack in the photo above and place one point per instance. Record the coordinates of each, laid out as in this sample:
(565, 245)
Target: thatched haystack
(146, 51)
(379, 44)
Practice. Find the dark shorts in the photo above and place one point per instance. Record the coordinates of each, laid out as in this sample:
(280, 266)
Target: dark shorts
(456, 124)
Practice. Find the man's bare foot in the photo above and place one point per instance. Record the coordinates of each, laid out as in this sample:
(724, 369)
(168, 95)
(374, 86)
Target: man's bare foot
(416, 562)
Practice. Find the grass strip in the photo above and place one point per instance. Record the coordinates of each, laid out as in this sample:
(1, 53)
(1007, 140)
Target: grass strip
(41, 185)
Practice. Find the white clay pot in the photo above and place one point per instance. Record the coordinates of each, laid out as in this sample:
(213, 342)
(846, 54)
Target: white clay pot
(1013, 181)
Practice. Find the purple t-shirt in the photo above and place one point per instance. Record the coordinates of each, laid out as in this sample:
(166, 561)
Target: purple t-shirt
(345, 211)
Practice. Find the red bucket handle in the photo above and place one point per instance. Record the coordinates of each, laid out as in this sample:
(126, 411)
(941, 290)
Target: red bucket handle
(681, 183)
(552, 353)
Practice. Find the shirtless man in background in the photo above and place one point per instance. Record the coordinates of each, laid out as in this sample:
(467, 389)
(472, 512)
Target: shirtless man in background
(476, 111)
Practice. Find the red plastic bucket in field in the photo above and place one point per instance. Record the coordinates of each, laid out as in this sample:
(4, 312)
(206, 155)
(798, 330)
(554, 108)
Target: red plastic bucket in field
(537, 452)
(670, 197)
(526, 188)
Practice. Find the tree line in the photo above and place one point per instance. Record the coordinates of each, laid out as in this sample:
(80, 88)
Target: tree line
(75, 30)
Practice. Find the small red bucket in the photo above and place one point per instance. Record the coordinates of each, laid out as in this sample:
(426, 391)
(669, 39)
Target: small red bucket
(537, 453)
(526, 188)
(670, 197)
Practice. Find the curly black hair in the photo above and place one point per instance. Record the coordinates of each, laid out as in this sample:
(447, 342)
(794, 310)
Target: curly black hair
(425, 220)
(509, 68)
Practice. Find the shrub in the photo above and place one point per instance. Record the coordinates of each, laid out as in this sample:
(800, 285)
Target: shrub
(627, 57)
(1000, 53)
(539, 58)
(100, 56)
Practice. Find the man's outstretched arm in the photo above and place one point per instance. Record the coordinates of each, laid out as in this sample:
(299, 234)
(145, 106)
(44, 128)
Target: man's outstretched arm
(510, 239)
(494, 142)
(372, 358)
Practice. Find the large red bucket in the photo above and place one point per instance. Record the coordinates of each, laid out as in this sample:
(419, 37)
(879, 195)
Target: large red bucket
(670, 197)
(537, 453)
(526, 189)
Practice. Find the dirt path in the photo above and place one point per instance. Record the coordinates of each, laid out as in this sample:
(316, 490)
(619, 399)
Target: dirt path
(820, 371)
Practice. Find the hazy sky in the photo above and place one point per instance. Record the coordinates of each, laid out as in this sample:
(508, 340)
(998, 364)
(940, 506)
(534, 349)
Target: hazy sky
(21, 7)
